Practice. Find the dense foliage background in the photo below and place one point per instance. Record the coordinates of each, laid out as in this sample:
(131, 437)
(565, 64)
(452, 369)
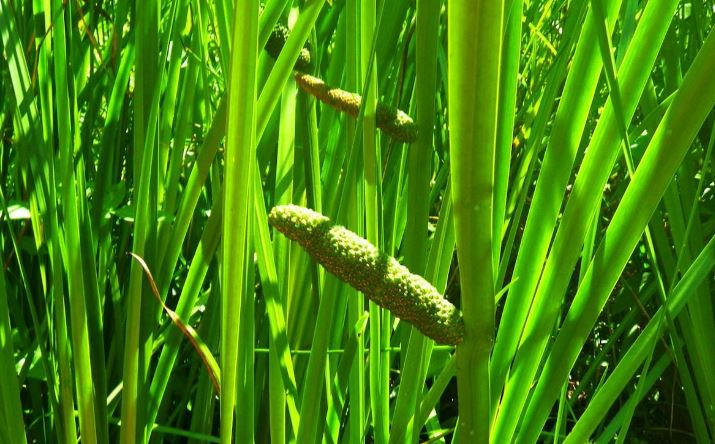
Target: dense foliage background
(560, 192)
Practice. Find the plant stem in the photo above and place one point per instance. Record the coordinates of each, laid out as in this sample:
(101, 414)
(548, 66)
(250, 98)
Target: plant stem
(474, 53)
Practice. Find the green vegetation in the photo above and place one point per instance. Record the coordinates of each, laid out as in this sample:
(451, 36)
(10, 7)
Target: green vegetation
(525, 253)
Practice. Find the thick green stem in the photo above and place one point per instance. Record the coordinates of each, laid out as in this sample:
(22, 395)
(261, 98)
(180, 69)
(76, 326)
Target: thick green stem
(474, 45)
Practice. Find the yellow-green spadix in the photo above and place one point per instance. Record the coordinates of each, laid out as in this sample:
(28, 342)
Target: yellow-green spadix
(380, 277)
(277, 40)
(389, 119)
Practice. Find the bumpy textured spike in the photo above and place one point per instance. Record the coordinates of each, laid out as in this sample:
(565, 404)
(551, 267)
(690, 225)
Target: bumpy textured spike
(275, 43)
(379, 276)
(389, 119)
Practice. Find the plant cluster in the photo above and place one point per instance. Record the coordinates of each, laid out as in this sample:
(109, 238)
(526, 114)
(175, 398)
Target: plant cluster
(546, 166)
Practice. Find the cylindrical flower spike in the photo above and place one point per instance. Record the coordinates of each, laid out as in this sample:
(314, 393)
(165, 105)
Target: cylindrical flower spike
(389, 119)
(380, 277)
(275, 43)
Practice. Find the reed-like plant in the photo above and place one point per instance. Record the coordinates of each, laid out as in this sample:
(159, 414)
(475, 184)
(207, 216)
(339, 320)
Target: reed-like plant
(529, 257)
